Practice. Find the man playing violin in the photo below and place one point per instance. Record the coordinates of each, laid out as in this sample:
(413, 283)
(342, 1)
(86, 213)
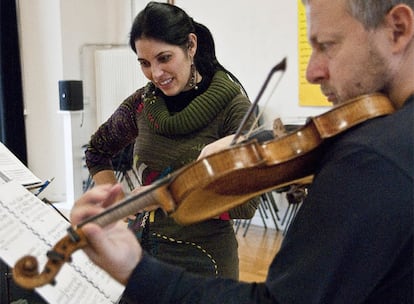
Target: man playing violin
(352, 239)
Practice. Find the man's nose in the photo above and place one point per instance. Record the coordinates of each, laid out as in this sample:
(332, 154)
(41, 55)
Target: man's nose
(317, 69)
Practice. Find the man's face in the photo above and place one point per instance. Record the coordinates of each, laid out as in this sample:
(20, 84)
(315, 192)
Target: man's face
(346, 60)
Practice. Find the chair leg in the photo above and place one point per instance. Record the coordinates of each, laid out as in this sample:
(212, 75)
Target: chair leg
(237, 224)
(247, 227)
(247, 222)
(128, 180)
(294, 211)
(262, 215)
(286, 215)
(271, 205)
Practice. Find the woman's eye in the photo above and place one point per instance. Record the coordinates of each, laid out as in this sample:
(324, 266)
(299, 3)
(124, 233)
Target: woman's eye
(164, 58)
(143, 63)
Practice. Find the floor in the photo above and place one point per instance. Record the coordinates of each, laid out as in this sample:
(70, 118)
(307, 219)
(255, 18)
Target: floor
(256, 251)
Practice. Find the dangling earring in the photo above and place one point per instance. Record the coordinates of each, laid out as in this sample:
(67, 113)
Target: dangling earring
(193, 78)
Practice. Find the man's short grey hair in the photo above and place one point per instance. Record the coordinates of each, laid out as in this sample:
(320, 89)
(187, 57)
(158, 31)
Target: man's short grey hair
(371, 13)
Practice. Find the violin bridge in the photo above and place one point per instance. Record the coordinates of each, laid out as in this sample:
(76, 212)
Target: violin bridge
(278, 128)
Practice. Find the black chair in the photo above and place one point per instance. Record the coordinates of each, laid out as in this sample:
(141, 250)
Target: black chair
(295, 194)
(266, 206)
(123, 169)
(123, 166)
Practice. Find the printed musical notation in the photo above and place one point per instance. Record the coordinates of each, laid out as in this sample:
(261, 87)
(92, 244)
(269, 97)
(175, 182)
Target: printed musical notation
(11, 168)
(29, 226)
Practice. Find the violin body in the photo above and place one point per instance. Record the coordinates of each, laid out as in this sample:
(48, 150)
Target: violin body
(221, 181)
(290, 159)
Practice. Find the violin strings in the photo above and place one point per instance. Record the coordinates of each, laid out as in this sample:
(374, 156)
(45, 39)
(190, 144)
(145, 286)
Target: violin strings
(259, 116)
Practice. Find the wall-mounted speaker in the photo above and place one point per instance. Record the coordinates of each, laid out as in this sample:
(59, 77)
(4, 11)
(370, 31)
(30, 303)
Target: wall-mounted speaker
(70, 95)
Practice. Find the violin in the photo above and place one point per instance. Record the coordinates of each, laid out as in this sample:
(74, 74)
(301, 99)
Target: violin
(220, 181)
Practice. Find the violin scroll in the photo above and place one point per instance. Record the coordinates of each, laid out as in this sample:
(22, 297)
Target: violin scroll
(28, 266)
(26, 270)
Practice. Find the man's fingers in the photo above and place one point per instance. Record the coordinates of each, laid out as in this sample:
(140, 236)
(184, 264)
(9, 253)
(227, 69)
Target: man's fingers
(114, 191)
(94, 201)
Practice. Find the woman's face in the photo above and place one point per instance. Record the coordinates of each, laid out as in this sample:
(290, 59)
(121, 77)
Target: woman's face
(167, 66)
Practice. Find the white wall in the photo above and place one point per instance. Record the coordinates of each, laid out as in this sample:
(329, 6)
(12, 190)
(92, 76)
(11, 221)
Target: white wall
(250, 39)
(52, 35)
(42, 67)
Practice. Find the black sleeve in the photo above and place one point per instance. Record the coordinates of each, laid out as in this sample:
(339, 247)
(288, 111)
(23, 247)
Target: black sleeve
(157, 282)
(353, 230)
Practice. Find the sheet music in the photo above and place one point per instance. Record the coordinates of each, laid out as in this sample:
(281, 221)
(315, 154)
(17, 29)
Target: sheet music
(29, 226)
(12, 168)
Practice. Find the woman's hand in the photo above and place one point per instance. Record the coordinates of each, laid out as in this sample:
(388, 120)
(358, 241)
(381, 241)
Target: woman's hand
(114, 248)
(216, 146)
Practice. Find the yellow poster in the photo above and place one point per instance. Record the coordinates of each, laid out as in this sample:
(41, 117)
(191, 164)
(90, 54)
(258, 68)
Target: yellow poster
(309, 94)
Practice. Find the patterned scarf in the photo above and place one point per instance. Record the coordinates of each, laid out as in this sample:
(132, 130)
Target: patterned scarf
(198, 114)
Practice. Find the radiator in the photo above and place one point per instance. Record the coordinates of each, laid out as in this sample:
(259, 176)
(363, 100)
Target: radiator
(117, 75)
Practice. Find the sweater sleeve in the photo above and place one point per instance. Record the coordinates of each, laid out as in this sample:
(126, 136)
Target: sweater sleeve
(156, 282)
(116, 133)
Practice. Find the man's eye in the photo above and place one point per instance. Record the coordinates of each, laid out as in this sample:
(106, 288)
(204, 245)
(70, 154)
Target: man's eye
(324, 46)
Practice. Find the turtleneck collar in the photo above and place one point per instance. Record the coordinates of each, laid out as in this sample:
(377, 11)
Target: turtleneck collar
(199, 112)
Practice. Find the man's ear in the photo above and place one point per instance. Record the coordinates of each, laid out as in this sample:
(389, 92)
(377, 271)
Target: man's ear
(400, 20)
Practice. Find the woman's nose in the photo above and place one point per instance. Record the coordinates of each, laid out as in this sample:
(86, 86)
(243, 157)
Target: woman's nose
(156, 71)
